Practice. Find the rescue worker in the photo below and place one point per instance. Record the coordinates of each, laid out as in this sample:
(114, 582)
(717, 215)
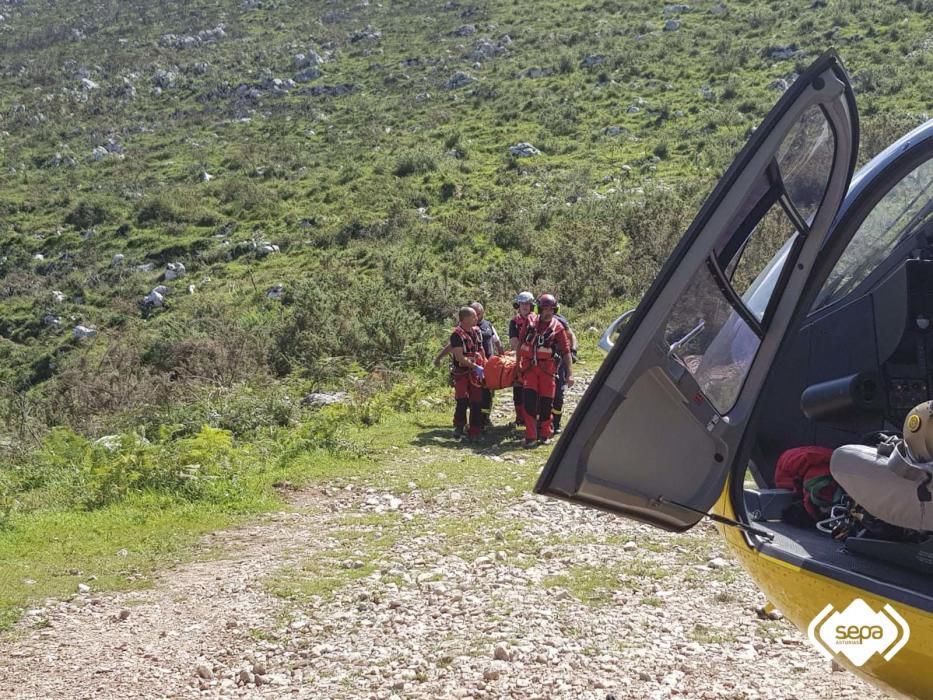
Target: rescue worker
(492, 345)
(467, 372)
(523, 303)
(543, 338)
(558, 407)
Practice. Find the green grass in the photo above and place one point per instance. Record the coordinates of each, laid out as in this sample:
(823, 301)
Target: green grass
(49, 554)
(704, 634)
(593, 585)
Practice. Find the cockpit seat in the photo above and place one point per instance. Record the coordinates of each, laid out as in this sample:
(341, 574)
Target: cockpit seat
(887, 482)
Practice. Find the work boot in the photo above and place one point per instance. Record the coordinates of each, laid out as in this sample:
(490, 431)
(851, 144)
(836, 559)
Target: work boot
(530, 442)
(544, 441)
(458, 431)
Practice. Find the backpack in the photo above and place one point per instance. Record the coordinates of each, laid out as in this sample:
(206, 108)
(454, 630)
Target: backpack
(805, 471)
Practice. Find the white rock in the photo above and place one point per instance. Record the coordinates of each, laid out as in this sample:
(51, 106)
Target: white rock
(80, 332)
(174, 271)
(153, 300)
(204, 671)
(117, 260)
(523, 150)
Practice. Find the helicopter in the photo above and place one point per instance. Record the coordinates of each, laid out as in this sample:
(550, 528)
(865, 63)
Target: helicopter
(797, 310)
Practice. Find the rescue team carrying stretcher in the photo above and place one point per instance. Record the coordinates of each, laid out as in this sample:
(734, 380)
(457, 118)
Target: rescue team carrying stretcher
(538, 367)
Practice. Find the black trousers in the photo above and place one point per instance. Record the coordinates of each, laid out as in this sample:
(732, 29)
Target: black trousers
(486, 405)
(558, 406)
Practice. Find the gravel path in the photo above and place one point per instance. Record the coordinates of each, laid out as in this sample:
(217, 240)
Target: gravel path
(455, 591)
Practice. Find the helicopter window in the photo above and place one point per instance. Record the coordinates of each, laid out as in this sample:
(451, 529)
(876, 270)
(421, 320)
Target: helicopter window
(751, 265)
(805, 160)
(712, 339)
(906, 208)
(716, 327)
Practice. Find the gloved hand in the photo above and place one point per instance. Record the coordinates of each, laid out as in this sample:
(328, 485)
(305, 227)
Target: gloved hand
(479, 371)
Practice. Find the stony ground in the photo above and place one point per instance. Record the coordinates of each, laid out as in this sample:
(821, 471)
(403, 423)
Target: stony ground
(462, 589)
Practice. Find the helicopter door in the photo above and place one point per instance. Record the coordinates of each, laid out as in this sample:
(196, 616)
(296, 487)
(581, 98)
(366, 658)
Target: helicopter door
(656, 433)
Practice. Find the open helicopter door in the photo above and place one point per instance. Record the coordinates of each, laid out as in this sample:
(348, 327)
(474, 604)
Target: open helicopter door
(656, 433)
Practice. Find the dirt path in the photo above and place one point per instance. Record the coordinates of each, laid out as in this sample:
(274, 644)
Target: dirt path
(455, 591)
(446, 612)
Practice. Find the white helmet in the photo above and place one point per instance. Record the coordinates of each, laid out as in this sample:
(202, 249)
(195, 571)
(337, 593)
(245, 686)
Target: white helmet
(523, 298)
(918, 432)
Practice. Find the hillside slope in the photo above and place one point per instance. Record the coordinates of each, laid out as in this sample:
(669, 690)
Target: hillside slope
(336, 178)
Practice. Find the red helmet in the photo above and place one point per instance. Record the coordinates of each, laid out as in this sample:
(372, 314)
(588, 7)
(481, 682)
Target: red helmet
(547, 301)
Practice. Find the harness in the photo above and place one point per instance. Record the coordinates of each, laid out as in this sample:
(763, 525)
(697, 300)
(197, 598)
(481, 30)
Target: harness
(537, 346)
(472, 349)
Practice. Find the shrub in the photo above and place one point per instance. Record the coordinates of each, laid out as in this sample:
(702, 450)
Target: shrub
(87, 215)
(413, 162)
(324, 323)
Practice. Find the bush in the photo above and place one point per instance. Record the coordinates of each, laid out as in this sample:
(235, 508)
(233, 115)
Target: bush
(414, 162)
(205, 466)
(349, 317)
(87, 215)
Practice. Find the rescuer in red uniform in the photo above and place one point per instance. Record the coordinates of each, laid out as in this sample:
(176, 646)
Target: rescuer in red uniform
(468, 359)
(523, 304)
(543, 338)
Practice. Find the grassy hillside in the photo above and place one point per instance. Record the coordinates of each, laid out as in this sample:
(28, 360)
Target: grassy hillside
(336, 179)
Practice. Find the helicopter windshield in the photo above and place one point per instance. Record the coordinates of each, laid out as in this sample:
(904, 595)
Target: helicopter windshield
(906, 209)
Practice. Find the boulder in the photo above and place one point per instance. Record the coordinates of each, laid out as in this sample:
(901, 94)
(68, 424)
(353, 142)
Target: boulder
(80, 332)
(319, 399)
(523, 150)
(307, 75)
(367, 34)
(174, 271)
(117, 260)
(153, 300)
(592, 60)
(464, 30)
(672, 25)
(536, 72)
(458, 80)
(782, 53)
(164, 78)
(675, 9)
(485, 49)
(311, 58)
(58, 297)
(276, 292)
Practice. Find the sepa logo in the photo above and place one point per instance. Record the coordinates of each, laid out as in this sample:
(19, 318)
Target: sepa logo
(858, 632)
